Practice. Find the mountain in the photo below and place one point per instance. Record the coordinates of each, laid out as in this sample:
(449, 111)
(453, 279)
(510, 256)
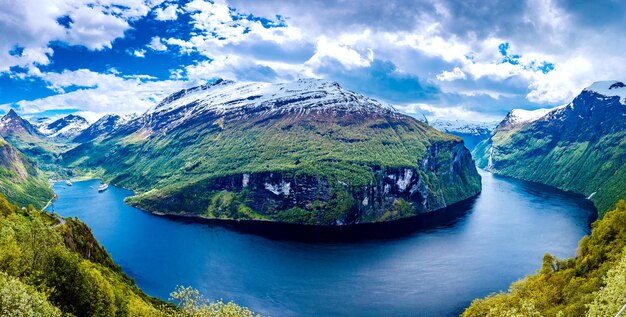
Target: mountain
(472, 133)
(101, 128)
(67, 127)
(24, 136)
(579, 147)
(12, 124)
(302, 152)
(20, 181)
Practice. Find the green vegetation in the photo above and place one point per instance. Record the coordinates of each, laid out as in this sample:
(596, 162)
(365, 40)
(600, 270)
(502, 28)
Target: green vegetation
(579, 148)
(183, 170)
(53, 268)
(592, 284)
(20, 181)
(585, 167)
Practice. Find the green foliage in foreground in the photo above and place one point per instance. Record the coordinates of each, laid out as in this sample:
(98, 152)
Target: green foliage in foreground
(50, 268)
(592, 284)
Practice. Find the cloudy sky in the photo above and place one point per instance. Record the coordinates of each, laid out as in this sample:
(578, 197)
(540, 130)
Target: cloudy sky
(472, 60)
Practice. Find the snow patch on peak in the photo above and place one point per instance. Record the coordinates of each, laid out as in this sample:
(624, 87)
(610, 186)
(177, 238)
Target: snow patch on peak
(301, 95)
(66, 127)
(462, 126)
(609, 89)
(519, 116)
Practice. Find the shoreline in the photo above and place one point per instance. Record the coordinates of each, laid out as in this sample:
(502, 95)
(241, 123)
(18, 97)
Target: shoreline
(275, 230)
(323, 233)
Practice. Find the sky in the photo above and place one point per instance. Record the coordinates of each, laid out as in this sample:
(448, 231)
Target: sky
(471, 60)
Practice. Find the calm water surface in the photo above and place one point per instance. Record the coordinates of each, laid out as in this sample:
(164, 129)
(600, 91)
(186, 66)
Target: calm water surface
(447, 259)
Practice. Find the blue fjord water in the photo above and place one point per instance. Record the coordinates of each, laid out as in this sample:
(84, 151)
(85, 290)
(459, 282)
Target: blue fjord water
(435, 266)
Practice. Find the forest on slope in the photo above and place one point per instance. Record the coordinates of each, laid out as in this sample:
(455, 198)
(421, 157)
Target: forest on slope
(55, 267)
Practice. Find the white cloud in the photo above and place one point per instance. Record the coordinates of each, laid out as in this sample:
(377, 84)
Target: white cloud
(102, 93)
(32, 25)
(342, 53)
(445, 113)
(156, 44)
(141, 53)
(564, 83)
(455, 74)
(168, 14)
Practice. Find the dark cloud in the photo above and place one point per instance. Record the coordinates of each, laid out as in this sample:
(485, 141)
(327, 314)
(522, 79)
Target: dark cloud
(382, 80)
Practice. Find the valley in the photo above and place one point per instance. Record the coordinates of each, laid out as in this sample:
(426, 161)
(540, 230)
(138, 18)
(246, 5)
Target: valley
(436, 267)
(222, 158)
(311, 166)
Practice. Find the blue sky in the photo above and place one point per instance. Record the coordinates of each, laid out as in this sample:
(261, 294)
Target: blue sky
(445, 59)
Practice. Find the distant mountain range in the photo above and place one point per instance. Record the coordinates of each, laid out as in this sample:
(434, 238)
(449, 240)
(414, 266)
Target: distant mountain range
(66, 127)
(303, 152)
(579, 147)
(471, 132)
(102, 127)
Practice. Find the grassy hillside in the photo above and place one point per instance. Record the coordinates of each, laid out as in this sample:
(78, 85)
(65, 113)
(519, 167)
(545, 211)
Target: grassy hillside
(48, 268)
(588, 167)
(20, 181)
(580, 148)
(589, 285)
(194, 167)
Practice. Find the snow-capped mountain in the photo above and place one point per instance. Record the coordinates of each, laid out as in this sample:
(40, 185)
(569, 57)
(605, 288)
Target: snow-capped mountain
(12, 124)
(465, 127)
(577, 146)
(102, 127)
(471, 132)
(518, 117)
(231, 99)
(65, 128)
(308, 151)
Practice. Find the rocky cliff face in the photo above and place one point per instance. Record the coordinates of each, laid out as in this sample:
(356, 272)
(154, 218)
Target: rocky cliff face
(305, 152)
(580, 147)
(391, 194)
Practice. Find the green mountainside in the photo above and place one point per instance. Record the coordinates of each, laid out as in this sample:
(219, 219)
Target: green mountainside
(579, 147)
(303, 152)
(20, 181)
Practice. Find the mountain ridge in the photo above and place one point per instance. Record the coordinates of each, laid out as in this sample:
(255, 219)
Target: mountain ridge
(579, 147)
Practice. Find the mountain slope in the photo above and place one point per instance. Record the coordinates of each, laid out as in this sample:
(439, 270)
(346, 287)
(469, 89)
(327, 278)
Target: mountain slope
(579, 147)
(65, 128)
(20, 181)
(101, 128)
(24, 136)
(304, 152)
